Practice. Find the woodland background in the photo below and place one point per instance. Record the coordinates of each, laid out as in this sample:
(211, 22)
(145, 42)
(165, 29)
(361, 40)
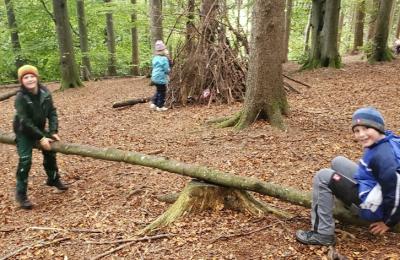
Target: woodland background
(108, 202)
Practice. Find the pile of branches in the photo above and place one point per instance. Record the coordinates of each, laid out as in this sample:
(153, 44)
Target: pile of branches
(208, 68)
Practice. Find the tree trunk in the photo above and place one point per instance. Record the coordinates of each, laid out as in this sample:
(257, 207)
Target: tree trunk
(112, 63)
(324, 22)
(135, 41)
(380, 51)
(131, 102)
(398, 28)
(190, 28)
(288, 21)
(12, 25)
(265, 95)
(199, 196)
(189, 46)
(69, 68)
(156, 25)
(216, 177)
(8, 95)
(340, 29)
(372, 19)
(86, 68)
(359, 26)
(307, 32)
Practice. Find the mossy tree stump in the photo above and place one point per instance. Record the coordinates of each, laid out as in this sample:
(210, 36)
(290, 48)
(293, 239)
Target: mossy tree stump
(198, 196)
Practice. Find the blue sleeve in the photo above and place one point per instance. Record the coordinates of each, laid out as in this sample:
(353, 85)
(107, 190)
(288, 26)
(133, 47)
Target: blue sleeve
(166, 65)
(386, 168)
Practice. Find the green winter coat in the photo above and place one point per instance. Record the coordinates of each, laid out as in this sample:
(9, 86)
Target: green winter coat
(32, 112)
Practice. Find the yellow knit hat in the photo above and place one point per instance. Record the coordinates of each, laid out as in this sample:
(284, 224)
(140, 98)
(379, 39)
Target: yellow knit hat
(27, 69)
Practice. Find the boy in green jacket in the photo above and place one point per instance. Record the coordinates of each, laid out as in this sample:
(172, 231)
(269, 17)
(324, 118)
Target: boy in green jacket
(33, 106)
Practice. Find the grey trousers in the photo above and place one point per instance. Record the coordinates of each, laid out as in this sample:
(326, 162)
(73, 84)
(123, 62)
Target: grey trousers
(323, 200)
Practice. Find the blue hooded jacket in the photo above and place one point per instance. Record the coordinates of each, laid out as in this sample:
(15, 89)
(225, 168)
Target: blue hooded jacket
(159, 74)
(380, 164)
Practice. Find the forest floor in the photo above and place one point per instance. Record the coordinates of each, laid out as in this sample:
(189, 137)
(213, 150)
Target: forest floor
(108, 201)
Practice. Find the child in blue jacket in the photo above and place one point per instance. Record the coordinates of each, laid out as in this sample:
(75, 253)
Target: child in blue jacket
(372, 187)
(159, 75)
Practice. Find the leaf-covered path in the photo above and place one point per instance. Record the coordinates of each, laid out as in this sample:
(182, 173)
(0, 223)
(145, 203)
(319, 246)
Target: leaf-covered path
(109, 201)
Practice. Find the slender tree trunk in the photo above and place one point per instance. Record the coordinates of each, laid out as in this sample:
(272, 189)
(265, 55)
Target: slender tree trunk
(112, 58)
(398, 28)
(324, 22)
(156, 21)
(69, 68)
(372, 19)
(391, 19)
(359, 26)
(135, 41)
(190, 28)
(380, 50)
(397, 34)
(288, 21)
(340, 29)
(83, 39)
(15, 43)
(265, 96)
(307, 32)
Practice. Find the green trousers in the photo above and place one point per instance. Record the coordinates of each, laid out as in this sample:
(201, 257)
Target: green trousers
(25, 146)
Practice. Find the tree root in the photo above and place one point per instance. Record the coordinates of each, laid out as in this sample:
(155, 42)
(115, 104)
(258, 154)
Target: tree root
(199, 196)
(230, 121)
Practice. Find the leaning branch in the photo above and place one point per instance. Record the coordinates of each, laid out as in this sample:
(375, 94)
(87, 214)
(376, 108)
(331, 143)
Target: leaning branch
(217, 177)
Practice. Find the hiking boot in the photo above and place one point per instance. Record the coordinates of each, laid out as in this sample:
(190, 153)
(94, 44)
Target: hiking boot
(23, 200)
(314, 238)
(58, 184)
(160, 109)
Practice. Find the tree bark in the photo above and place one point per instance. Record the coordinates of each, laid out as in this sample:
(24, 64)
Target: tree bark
(15, 43)
(112, 63)
(216, 177)
(135, 41)
(324, 22)
(372, 19)
(8, 95)
(398, 28)
(359, 26)
(83, 39)
(340, 29)
(265, 95)
(190, 28)
(156, 25)
(307, 32)
(380, 51)
(288, 21)
(69, 68)
(131, 102)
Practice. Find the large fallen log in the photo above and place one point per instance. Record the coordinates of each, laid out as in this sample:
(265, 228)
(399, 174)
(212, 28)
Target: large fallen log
(8, 95)
(131, 102)
(217, 177)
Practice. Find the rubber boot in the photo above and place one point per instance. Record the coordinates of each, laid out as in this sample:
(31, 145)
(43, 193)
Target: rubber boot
(23, 200)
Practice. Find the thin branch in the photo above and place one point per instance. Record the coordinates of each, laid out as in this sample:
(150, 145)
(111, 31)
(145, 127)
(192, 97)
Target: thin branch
(40, 243)
(54, 19)
(297, 81)
(240, 234)
(130, 242)
(76, 230)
